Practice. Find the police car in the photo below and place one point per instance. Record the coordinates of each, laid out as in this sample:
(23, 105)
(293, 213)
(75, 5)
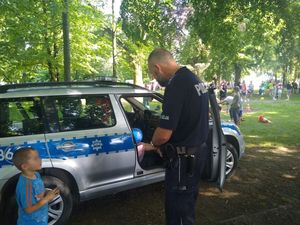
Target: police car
(83, 133)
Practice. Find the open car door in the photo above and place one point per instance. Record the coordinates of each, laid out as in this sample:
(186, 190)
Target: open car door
(218, 143)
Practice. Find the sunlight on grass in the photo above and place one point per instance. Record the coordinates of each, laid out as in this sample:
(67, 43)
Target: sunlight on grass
(282, 133)
(251, 136)
(272, 113)
(288, 176)
(214, 192)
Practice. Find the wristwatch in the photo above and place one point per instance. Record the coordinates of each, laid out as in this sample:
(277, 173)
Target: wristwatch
(151, 143)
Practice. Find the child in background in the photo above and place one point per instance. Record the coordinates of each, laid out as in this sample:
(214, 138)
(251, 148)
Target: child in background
(235, 106)
(30, 192)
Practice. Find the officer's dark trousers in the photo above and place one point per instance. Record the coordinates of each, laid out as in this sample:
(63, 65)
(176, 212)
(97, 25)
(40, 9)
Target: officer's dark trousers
(182, 189)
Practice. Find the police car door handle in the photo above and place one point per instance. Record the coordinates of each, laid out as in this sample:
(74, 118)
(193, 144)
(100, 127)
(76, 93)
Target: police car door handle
(66, 146)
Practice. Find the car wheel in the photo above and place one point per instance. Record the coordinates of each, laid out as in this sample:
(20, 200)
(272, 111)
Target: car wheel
(60, 208)
(231, 160)
(10, 211)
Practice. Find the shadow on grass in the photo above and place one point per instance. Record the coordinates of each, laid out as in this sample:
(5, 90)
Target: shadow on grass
(266, 178)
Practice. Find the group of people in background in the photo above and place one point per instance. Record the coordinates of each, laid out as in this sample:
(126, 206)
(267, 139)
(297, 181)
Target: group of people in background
(275, 89)
(242, 93)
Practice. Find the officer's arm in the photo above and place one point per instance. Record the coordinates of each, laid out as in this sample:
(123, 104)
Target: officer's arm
(161, 136)
(172, 107)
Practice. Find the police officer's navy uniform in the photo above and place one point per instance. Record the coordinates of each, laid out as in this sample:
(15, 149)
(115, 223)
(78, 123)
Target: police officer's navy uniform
(185, 112)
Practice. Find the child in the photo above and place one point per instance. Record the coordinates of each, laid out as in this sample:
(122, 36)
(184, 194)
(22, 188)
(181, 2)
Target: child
(235, 106)
(30, 192)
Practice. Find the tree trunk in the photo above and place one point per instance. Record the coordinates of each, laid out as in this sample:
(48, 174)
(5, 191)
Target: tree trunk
(48, 49)
(237, 74)
(50, 71)
(67, 57)
(138, 78)
(284, 69)
(296, 73)
(114, 40)
(275, 75)
(55, 53)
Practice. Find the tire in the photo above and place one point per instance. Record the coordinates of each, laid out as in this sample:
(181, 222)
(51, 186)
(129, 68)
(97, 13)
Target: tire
(10, 215)
(61, 207)
(231, 160)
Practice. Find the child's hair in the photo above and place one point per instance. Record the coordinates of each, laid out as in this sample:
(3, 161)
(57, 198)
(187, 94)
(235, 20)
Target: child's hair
(21, 156)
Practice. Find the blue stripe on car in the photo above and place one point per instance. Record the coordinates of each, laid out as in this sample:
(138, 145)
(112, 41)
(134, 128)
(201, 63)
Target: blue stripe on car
(85, 146)
(231, 126)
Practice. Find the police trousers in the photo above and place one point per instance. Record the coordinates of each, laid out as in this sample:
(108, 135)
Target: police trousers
(181, 188)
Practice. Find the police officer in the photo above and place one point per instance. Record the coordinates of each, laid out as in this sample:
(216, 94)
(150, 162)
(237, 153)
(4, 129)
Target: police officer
(181, 135)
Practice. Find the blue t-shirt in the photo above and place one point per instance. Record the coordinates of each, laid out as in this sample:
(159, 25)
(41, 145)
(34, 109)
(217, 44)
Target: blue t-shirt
(29, 192)
(185, 109)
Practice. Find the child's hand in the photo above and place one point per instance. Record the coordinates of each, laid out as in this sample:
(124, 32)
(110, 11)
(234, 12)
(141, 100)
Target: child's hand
(52, 194)
(146, 146)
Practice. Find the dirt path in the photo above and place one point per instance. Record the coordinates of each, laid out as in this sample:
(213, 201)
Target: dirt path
(264, 191)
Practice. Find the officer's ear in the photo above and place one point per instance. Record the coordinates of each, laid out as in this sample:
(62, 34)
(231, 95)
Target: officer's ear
(158, 69)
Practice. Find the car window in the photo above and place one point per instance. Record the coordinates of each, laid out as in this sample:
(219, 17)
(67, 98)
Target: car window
(127, 106)
(21, 116)
(67, 113)
(142, 103)
(150, 103)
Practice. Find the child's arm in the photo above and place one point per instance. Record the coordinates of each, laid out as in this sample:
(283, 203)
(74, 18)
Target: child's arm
(147, 146)
(49, 196)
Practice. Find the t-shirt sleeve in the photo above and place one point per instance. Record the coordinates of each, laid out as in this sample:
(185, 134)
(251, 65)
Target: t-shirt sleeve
(23, 194)
(172, 106)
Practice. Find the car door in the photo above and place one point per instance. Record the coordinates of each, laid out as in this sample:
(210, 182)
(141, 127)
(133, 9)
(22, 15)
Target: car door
(21, 125)
(143, 111)
(218, 151)
(88, 137)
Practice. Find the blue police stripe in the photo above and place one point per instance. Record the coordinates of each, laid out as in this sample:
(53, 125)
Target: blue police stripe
(231, 126)
(83, 147)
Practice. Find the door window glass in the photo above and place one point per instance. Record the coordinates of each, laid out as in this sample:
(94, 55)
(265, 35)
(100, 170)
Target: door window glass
(79, 112)
(20, 116)
(150, 103)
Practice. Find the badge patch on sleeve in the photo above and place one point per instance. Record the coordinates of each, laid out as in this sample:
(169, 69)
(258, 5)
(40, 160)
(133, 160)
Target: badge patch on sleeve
(164, 117)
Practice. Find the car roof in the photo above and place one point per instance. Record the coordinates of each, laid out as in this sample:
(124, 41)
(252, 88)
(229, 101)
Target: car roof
(69, 88)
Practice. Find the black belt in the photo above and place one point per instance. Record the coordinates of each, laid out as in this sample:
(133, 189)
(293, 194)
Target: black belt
(184, 150)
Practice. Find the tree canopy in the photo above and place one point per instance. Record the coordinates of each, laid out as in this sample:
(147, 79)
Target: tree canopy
(231, 37)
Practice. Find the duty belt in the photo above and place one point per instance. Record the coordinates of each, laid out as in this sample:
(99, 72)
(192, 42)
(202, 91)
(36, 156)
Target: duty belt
(184, 150)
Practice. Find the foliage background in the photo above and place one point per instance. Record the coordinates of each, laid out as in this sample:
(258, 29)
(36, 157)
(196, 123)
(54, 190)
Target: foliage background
(229, 37)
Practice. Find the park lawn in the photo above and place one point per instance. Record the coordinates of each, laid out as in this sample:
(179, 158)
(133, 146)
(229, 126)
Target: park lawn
(285, 126)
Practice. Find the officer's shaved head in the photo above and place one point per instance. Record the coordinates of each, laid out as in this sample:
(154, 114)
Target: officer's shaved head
(162, 65)
(160, 55)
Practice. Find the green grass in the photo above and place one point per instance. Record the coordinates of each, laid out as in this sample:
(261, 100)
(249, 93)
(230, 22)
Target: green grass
(285, 126)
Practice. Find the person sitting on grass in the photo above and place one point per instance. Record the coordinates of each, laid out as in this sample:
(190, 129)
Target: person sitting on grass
(235, 106)
(30, 192)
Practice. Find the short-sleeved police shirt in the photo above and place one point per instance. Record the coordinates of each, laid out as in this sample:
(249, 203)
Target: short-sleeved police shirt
(185, 109)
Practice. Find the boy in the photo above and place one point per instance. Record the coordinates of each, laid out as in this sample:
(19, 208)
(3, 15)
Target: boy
(30, 192)
(235, 106)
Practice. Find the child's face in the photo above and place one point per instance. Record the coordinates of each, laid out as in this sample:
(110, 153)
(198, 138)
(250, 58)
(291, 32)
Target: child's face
(34, 162)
